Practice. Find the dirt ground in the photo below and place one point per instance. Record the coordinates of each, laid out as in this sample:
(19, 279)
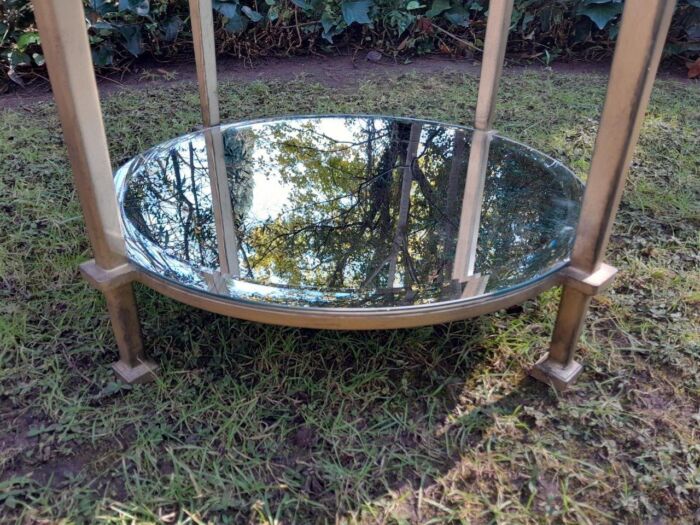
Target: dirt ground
(332, 71)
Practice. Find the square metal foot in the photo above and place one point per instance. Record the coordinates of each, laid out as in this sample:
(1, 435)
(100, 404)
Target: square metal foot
(144, 372)
(554, 374)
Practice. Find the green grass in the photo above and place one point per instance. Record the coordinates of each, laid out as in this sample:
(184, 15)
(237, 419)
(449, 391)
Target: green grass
(257, 424)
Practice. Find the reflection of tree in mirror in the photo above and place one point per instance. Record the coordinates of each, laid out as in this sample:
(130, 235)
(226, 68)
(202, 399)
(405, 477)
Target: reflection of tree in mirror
(239, 170)
(341, 226)
(172, 204)
(169, 202)
(528, 215)
(354, 210)
(238, 154)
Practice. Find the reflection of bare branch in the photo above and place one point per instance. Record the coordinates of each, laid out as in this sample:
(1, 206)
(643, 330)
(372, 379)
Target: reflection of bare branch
(245, 259)
(182, 200)
(429, 194)
(346, 215)
(272, 244)
(457, 169)
(406, 183)
(195, 194)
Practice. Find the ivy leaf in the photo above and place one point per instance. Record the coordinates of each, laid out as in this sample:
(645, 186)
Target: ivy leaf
(103, 55)
(694, 3)
(38, 59)
(226, 9)
(236, 23)
(330, 24)
(26, 40)
(402, 21)
(438, 7)
(356, 11)
(140, 7)
(103, 7)
(102, 25)
(17, 58)
(600, 13)
(457, 16)
(413, 5)
(132, 39)
(302, 4)
(251, 13)
(171, 28)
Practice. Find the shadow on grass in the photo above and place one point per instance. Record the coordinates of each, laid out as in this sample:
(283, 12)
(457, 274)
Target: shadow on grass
(305, 425)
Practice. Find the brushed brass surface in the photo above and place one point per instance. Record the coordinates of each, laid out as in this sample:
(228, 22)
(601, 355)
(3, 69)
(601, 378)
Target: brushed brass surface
(145, 372)
(226, 235)
(642, 35)
(69, 62)
(65, 45)
(133, 365)
(470, 217)
(590, 283)
(638, 50)
(555, 374)
(495, 41)
(352, 318)
(202, 18)
(104, 280)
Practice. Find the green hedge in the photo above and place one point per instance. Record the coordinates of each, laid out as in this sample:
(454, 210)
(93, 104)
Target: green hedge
(121, 30)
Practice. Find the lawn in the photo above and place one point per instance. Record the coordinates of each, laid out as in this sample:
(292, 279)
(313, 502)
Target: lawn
(259, 424)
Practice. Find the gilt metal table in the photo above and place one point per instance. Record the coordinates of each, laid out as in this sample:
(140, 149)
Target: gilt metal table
(349, 221)
(345, 221)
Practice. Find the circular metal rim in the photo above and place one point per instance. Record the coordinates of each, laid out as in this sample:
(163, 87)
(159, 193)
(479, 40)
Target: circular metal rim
(338, 318)
(351, 318)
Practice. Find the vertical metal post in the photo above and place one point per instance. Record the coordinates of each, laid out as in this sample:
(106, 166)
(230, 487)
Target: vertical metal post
(65, 45)
(202, 18)
(639, 46)
(470, 218)
(495, 42)
(497, 28)
(226, 237)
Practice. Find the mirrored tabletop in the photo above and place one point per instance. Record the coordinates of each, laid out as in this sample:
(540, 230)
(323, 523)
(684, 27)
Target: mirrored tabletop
(341, 212)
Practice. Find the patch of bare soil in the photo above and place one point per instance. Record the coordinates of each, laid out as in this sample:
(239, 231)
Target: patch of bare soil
(30, 449)
(334, 71)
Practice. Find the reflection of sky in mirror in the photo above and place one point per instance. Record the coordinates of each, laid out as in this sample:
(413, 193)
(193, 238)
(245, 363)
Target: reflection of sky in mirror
(317, 203)
(272, 193)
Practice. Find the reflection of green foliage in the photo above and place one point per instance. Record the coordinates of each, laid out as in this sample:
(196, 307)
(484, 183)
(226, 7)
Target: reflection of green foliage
(327, 231)
(341, 222)
(530, 232)
(239, 173)
(341, 217)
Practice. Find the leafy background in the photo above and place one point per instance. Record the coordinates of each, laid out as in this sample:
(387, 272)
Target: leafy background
(122, 30)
